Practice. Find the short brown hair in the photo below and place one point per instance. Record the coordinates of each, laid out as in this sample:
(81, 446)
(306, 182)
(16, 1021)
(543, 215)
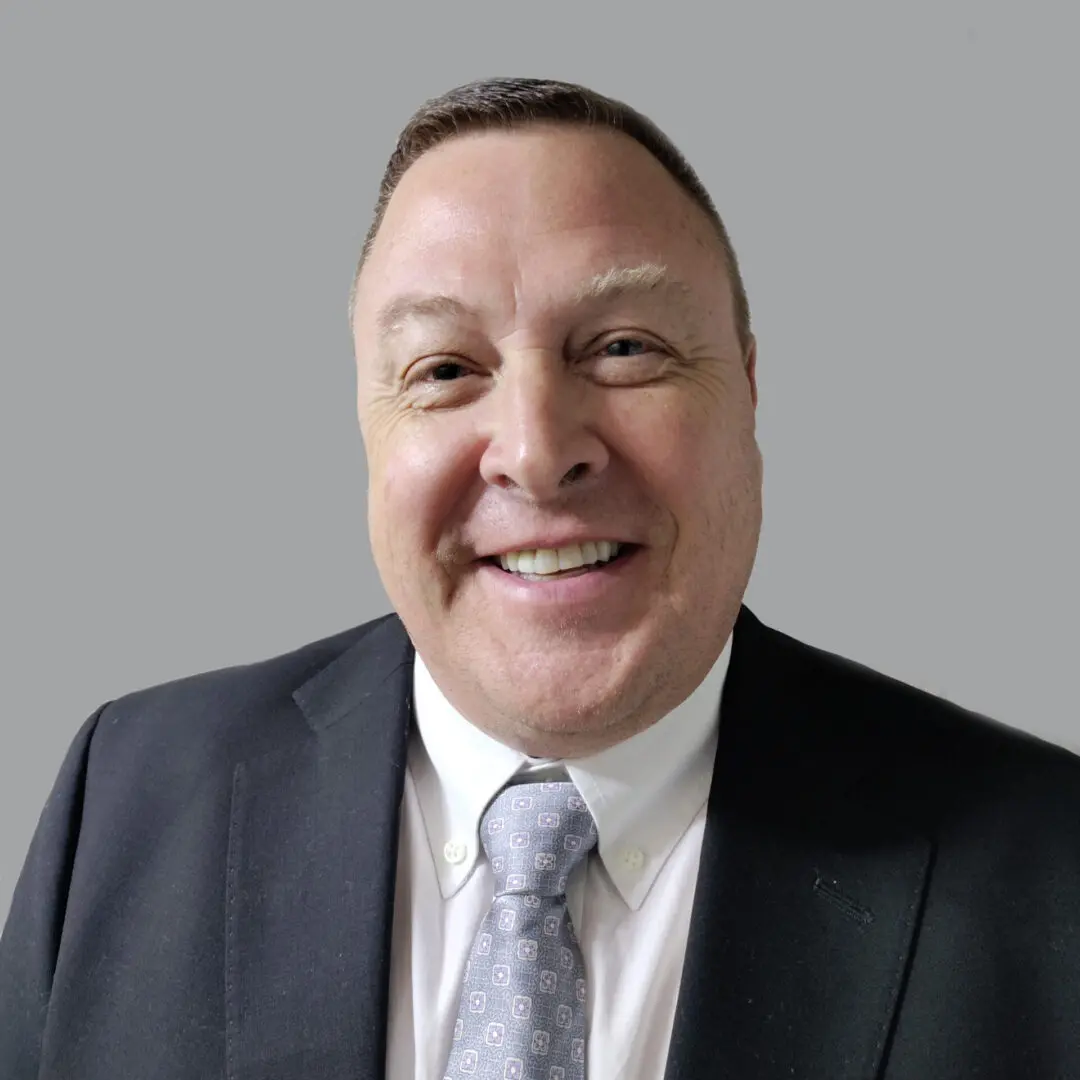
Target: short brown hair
(507, 103)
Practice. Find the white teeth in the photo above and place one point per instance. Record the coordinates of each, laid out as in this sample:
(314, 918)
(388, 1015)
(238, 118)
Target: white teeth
(571, 558)
(545, 561)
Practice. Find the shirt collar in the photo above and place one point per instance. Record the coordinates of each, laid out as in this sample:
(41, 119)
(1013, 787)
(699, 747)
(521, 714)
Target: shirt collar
(643, 792)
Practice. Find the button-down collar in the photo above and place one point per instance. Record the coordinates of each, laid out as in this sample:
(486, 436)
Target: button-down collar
(643, 792)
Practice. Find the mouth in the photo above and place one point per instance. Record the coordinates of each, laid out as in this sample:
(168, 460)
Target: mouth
(550, 564)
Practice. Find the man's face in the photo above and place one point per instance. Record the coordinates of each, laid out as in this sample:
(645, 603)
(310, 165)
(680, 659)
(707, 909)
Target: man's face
(547, 359)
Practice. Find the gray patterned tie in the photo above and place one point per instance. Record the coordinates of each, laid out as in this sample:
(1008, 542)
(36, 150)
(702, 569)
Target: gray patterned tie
(522, 1011)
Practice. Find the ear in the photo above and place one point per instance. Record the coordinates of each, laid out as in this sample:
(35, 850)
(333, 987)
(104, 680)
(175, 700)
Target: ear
(751, 368)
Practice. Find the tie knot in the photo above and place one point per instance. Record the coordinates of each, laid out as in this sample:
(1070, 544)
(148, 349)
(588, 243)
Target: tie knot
(534, 835)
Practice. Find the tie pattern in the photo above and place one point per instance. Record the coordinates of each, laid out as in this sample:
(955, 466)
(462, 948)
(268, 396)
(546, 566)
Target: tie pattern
(522, 1010)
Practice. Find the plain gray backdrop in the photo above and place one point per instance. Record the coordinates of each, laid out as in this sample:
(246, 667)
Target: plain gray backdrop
(183, 191)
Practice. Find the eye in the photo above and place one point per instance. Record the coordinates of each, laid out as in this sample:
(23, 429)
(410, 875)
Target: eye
(445, 371)
(441, 380)
(629, 360)
(626, 346)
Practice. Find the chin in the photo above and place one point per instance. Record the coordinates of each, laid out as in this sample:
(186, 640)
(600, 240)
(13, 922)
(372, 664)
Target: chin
(562, 705)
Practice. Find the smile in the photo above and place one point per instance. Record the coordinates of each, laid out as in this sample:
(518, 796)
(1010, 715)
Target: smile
(547, 564)
(546, 561)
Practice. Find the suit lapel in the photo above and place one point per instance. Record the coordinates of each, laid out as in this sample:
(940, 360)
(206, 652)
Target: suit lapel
(809, 885)
(806, 905)
(312, 855)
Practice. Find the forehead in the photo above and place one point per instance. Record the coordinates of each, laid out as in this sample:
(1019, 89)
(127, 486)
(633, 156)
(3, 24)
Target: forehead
(533, 213)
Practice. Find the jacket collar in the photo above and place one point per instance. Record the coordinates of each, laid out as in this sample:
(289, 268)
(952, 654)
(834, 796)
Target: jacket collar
(806, 905)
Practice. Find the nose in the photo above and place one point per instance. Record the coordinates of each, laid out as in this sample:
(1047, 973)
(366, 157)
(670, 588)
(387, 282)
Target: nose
(542, 435)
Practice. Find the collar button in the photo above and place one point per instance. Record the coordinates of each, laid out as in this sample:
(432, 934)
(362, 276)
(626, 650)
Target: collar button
(454, 853)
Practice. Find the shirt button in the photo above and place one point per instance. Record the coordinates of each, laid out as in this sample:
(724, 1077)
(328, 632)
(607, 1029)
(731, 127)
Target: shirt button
(633, 858)
(454, 852)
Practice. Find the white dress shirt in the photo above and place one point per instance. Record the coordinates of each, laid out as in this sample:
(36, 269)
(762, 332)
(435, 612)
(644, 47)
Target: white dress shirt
(630, 901)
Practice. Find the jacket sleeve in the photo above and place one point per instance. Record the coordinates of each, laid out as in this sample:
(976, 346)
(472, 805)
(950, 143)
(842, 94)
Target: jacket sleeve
(31, 937)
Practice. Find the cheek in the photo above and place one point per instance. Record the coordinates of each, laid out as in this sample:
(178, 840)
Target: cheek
(668, 438)
(699, 461)
(416, 482)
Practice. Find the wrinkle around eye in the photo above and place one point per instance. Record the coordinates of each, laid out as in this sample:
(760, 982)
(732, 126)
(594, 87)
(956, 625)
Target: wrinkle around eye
(651, 363)
(421, 388)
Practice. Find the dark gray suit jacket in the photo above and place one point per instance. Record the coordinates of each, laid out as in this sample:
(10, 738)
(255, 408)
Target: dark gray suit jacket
(889, 885)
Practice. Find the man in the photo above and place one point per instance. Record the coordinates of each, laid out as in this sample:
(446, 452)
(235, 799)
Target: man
(573, 810)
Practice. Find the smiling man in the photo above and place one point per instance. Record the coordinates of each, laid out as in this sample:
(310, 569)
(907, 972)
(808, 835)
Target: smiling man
(551, 368)
(572, 809)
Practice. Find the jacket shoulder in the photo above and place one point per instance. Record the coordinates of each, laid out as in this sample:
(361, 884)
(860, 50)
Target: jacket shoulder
(865, 696)
(940, 761)
(241, 705)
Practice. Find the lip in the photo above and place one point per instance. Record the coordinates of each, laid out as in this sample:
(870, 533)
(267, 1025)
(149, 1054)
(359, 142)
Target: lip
(582, 590)
(554, 542)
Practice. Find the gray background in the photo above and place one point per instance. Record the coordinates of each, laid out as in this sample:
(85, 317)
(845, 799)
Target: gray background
(184, 190)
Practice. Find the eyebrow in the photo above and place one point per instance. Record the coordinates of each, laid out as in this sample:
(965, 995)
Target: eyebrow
(648, 278)
(616, 283)
(393, 317)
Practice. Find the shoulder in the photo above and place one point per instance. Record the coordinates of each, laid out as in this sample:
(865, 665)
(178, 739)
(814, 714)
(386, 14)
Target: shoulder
(871, 703)
(946, 762)
(229, 711)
